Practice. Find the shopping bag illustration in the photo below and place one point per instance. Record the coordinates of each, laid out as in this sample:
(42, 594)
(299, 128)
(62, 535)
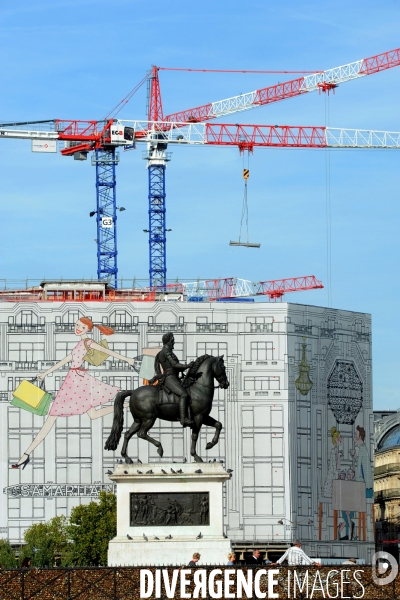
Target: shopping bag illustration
(41, 410)
(29, 393)
(95, 357)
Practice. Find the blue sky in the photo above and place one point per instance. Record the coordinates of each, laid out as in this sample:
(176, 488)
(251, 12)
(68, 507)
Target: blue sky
(78, 59)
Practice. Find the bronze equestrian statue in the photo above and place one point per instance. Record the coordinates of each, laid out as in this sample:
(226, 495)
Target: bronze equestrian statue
(169, 399)
(169, 380)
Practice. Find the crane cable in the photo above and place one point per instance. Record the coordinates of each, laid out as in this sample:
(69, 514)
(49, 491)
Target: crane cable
(114, 111)
(245, 208)
(328, 209)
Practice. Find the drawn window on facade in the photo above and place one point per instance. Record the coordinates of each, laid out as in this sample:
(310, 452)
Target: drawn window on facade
(172, 439)
(178, 349)
(262, 445)
(58, 381)
(26, 317)
(129, 349)
(73, 444)
(14, 383)
(64, 348)
(277, 475)
(120, 317)
(71, 317)
(212, 348)
(262, 351)
(124, 383)
(122, 320)
(278, 504)
(26, 321)
(263, 503)
(358, 325)
(262, 474)
(262, 382)
(260, 324)
(26, 351)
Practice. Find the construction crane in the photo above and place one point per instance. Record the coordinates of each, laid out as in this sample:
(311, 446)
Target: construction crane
(212, 290)
(209, 290)
(103, 137)
(157, 135)
(323, 81)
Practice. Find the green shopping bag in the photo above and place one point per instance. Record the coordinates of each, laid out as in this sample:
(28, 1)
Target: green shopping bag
(41, 410)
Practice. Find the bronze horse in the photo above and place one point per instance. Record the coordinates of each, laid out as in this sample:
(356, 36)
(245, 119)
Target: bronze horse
(145, 407)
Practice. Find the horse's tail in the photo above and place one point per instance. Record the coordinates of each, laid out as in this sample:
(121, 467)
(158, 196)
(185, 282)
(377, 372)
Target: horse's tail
(118, 422)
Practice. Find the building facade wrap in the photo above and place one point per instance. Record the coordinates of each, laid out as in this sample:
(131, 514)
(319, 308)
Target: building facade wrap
(297, 417)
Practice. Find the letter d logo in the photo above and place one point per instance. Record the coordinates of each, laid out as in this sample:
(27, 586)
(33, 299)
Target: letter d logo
(382, 567)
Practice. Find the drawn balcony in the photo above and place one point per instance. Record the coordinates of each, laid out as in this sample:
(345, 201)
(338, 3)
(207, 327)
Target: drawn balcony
(26, 328)
(124, 327)
(166, 327)
(211, 328)
(27, 365)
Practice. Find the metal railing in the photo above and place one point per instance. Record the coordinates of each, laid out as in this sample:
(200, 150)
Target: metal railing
(211, 328)
(123, 583)
(165, 327)
(25, 328)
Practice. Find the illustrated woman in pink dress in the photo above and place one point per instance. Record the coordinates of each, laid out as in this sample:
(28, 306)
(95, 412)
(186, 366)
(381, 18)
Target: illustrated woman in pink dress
(80, 393)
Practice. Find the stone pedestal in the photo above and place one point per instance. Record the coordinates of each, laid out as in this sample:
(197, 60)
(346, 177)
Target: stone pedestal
(173, 507)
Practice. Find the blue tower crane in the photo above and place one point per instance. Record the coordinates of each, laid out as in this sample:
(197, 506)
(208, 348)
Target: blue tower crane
(105, 160)
(157, 158)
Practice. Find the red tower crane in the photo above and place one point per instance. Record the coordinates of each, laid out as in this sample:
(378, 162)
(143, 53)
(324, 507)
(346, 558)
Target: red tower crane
(190, 127)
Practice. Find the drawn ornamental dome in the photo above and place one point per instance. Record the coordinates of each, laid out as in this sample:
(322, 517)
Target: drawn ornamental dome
(390, 439)
(345, 392)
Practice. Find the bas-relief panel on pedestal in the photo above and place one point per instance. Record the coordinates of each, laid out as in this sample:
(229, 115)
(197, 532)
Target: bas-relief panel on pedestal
(185, 508)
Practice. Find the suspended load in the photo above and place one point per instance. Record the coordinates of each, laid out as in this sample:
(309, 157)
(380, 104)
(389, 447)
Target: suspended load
(245, 214)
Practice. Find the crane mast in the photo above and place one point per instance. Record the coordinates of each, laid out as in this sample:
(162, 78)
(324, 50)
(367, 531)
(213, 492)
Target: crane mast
(105, 160)
(157, 158)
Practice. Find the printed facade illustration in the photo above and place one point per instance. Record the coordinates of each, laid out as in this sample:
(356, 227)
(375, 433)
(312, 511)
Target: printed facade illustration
(304, 383)
(303, 459)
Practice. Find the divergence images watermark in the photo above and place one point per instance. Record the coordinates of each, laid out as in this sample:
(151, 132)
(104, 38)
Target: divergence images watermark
(236, 583)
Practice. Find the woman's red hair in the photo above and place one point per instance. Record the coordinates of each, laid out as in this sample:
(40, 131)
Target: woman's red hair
(102, 328)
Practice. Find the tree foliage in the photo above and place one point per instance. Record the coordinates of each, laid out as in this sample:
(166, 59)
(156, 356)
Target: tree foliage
(45, 543)
(91, 526)
(7, 556)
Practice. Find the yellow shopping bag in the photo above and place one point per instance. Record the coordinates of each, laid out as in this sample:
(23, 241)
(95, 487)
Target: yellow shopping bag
(29, 393)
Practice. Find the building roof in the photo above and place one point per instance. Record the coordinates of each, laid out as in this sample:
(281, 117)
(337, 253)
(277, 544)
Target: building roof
(390, 439)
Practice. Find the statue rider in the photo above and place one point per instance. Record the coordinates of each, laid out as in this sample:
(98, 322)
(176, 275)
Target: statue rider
(171, 367)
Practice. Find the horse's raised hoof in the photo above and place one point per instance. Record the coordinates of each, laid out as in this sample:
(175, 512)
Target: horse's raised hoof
(197, 458)
(160, 450)
(210, 445)
(128, 460)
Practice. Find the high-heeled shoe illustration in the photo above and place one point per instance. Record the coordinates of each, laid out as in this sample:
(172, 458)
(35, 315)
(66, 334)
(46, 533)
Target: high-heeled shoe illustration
(23, 464)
